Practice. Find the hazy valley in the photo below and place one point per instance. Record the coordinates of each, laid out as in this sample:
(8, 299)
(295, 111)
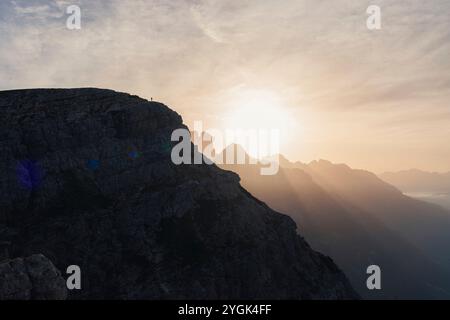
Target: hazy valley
(360, 220)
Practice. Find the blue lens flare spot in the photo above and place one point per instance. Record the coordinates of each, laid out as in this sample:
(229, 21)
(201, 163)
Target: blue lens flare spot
(29, 174)
(134, 155)
(93, 164)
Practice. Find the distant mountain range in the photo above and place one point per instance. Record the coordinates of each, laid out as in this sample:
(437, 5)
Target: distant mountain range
(415, 180)
(427, 186)
(359, 220)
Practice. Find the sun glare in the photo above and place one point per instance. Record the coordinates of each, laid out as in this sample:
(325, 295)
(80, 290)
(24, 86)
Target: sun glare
(257, 109)
(260, 110)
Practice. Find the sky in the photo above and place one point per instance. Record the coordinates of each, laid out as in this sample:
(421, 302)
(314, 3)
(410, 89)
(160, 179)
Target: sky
(373, 99)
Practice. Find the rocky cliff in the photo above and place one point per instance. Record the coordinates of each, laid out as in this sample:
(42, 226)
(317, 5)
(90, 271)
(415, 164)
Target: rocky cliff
(86, 179)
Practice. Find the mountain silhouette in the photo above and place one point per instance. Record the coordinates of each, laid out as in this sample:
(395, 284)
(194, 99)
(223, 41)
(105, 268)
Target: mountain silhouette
(359, 220)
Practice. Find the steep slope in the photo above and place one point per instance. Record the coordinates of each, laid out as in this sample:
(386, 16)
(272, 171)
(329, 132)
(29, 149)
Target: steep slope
(87, 180)
(333, 223)
(424, 225)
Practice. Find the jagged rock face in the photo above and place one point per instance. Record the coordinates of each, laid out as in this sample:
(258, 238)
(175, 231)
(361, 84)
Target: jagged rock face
(87, 180)
(31, 278)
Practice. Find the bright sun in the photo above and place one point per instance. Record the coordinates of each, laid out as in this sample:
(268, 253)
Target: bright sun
(260, 110)
(257, 109)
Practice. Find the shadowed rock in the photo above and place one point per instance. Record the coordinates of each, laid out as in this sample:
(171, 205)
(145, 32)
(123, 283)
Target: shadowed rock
(142, 227)
(32, 278)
